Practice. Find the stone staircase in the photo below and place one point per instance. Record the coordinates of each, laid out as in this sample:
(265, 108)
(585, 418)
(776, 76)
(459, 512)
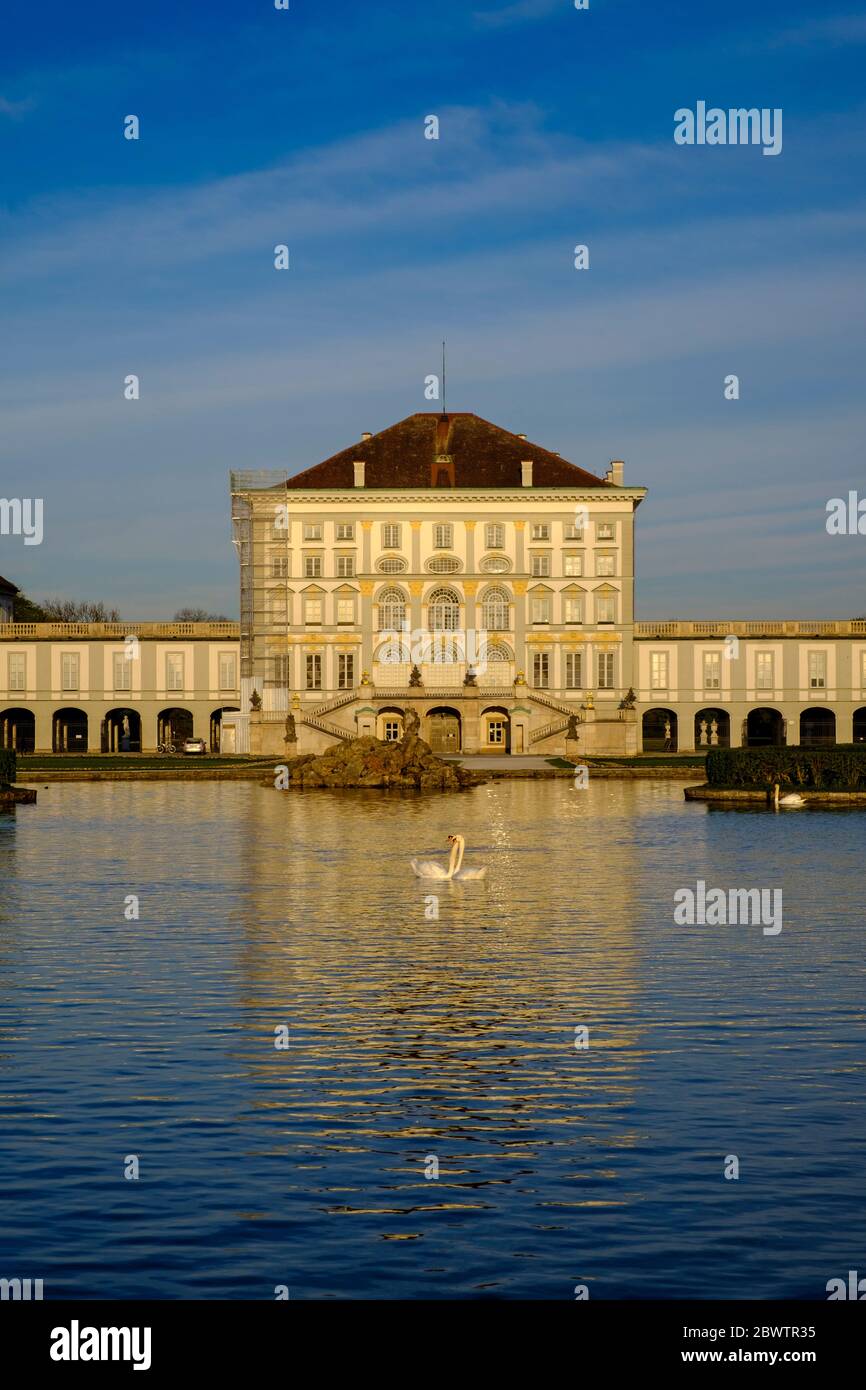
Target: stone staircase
(548, 730)
(542, 699)
(327, 727)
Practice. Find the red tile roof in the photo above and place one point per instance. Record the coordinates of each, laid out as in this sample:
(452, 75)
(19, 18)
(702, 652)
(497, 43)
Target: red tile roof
(457, 450)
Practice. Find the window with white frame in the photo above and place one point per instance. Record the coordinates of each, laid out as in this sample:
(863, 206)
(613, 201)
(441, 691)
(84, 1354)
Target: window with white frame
(540, 566)
(605, 670)
(658, 670)
(312, 610)
(312, 566)
(17, 670)
(605, 608)
(604, 531)
(345, 566)
(605, 566)
(817, 670)
(539, 608)
(572, 565)
(572, 608)
(390, 536)
(541, 670)
(494, 536)
(228, 670)
(540, 531)
(443, 535)
(122, 671)
(574, 670)
(345, 671)
(345, 530)
(496, 732)
(314, 671)
(712, 670)
(572, 532)
(392, 610)
(279, 567)
(312, 531)
(443, 611)
(174, 671)
(494, 610)
(346, 611)
(764, 671)
(392, 731)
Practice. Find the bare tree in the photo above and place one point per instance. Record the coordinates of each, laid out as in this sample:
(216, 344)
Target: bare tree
(68, 610)
(199, 615)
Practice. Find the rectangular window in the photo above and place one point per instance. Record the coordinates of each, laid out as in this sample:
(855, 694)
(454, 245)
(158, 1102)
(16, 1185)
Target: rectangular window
(540, 531)
(174, 670)
(392, 731)
(541, 566)
(712, 670)
(572, 565)
(17, 671)
(346, 611)
(312, 566)
(540, 609)
(314, 671)
(604, 531)
(495, 537)
(605, 670)
(817, 670)
(345, 566)
(69, 666)
(391, 537)
(345, 530)
(312, 611)
(572, 532)
(541, 670)
(573, 670)
(228, 665)
(496, 732)
(605, 565)
(659, 670)
(573, 608)
(345, 671)
(122, 671)
(279, 567)
(764, 677)
(605, 608)
(443, 536)
(312, 531)
(280, 669)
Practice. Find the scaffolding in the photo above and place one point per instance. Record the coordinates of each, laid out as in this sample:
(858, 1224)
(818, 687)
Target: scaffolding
(256, 535)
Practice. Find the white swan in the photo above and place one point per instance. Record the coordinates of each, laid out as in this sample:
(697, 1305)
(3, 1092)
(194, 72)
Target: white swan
(792, 798)
(431, 868)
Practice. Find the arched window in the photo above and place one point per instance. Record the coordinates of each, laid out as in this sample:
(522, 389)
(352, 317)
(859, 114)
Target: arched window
(497, 651)
(494, 610)
(443, 611)
(392, 610)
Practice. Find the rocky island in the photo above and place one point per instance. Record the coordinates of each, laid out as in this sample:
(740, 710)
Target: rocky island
(369, 762)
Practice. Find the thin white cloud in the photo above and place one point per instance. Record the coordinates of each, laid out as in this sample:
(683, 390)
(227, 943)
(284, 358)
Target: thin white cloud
(831, 30)
(521, 12)
(16, 109)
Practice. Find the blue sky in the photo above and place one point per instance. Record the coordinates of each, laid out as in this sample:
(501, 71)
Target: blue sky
(556, 127)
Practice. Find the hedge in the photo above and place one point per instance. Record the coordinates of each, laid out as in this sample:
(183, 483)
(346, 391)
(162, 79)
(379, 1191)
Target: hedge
(823, 769)
(7, 766)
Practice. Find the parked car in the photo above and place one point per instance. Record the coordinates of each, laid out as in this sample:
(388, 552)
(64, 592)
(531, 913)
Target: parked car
(194, 745)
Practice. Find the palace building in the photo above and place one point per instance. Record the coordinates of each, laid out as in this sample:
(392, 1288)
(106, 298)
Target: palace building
(448, 565)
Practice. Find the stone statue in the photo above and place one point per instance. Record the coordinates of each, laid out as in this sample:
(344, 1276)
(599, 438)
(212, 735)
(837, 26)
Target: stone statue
(668, 740)
(714, 732)
(414, 676)
(411, 724)
(470, 678)
(703, 738)
(571, 731)
(291, 734)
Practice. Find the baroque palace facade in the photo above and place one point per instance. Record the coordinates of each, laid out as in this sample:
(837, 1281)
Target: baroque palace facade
(449, 566)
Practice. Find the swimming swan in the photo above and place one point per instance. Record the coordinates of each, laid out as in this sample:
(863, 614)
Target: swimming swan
(431, 868)
(792, 798)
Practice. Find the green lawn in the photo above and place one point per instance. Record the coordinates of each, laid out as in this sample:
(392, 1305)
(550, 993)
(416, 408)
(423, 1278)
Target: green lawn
(639, 760)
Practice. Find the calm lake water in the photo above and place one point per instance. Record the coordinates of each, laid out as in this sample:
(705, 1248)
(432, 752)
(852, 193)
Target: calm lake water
(412, 1037)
